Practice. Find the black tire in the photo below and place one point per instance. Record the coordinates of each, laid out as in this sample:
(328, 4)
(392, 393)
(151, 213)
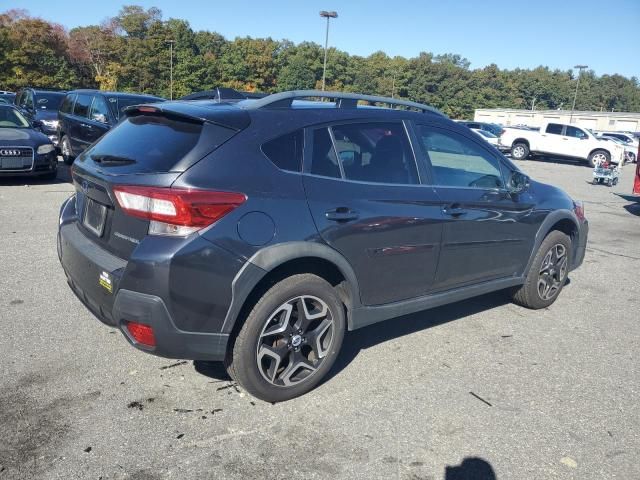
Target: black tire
(252, 357)
(529, 295)
(519, 151)
(598, 155)
(65, 149)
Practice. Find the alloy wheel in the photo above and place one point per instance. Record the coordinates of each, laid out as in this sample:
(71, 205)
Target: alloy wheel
(518, 152)
(295, 341)
(553, 272)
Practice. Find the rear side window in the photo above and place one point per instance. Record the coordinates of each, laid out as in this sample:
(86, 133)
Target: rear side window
(81, 108)
(324, 160)
(148, 143)
(67, 104)
(458, 162)
(375, 152)
(285, 152)
(554, 128)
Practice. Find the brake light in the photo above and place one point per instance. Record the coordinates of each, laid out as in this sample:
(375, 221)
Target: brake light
(578, 208)
(142, 333)
(176, 211)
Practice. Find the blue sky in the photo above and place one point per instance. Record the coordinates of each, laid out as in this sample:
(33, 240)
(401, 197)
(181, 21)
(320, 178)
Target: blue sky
(603, 34)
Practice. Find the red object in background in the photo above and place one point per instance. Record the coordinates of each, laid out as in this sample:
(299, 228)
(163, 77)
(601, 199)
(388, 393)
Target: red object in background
(636, 181)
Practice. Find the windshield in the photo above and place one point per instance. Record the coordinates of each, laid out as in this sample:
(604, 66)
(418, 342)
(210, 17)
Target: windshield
(49, 101)
(118, 104)
(11, 118)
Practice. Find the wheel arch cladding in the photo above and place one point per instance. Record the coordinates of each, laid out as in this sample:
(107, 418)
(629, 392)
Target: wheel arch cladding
(560, 220)
(272, 264)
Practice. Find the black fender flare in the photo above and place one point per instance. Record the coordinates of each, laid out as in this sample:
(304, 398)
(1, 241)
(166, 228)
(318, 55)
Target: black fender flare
(544, 229)
(269, 258)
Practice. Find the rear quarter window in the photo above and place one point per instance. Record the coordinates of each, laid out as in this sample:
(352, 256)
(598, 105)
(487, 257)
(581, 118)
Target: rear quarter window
(285, 152)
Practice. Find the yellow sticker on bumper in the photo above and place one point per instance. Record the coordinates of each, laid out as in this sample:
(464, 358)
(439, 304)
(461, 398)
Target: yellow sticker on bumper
(106, 282)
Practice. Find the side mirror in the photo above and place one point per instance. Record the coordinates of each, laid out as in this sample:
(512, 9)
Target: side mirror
(36, 124)
(100, 117)
(518, 182)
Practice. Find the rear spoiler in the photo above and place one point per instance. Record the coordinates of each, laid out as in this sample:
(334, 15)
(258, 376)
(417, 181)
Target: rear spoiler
(223, 115)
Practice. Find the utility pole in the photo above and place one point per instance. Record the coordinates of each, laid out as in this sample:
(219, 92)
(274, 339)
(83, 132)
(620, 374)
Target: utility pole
(533, 104)
(326, 15)
(171, 42)
(575, 96)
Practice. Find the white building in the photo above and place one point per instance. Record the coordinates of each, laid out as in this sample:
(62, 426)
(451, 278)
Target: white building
(615, 121)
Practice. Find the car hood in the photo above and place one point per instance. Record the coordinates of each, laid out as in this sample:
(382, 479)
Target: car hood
(22, 137)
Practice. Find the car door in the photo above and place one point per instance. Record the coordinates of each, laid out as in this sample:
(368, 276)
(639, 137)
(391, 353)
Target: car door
(99, 121)
(370, 202)
(488, 232)
(575, 142)
(552, 141)
(79, 133)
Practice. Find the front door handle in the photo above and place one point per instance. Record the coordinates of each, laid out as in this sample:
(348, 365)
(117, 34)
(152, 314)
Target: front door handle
(341, 214)
(454, 210)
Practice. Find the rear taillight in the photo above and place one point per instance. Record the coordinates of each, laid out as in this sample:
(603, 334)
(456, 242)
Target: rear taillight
(176, 211)
(578, 208)
(142, 333)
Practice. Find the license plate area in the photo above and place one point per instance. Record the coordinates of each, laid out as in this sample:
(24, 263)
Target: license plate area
(11, 163)
(94, 217)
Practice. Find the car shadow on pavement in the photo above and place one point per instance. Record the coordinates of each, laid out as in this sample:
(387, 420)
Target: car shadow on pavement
(471, 468)
(375, 334)
(378, 333)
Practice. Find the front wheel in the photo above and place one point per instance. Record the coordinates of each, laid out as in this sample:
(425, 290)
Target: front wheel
(547, 274)
(598, 156)
(519, 151)
(289, 340)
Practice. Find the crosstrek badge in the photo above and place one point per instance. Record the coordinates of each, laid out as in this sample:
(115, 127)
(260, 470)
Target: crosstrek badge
(105, 281)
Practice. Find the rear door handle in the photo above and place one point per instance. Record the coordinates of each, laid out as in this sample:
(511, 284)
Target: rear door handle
(454, 210)
(341, 214)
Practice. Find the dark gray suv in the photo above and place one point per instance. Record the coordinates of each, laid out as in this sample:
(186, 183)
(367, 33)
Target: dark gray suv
(257, 232)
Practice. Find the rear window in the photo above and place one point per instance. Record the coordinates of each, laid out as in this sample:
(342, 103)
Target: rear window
(48, 101)
(67, 103)
(147, 143)
(285, 152)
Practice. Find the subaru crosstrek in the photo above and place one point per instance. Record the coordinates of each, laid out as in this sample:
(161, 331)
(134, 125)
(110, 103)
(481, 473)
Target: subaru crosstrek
(256, 232)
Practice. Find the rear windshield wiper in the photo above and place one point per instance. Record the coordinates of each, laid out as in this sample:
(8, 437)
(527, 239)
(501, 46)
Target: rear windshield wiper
(107, 160)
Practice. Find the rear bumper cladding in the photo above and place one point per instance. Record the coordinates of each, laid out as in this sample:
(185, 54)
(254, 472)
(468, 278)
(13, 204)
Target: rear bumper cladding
(171, 342)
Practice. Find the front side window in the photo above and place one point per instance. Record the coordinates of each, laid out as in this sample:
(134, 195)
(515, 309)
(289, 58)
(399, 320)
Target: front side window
(458, 162)
(285, 152)
(575, 132)
(81, 108)
(554, 128)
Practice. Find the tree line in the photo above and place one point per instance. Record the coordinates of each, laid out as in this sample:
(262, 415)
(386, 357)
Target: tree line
(130, 52)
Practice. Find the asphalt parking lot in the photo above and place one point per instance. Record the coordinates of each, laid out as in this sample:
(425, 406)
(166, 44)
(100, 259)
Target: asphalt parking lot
(481, 386)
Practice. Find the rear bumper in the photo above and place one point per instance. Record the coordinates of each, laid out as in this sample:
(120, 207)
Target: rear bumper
(84, 264)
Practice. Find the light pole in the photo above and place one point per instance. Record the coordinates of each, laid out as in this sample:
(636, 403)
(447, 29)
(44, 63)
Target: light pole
(575, 96)
(326, 15)
(171, 42)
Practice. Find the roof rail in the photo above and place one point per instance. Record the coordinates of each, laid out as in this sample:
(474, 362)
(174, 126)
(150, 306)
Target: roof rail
(343, 100)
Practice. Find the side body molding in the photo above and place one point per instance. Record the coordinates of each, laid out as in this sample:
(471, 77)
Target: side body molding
(265, 260)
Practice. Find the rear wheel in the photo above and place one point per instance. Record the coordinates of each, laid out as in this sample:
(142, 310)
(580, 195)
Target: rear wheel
(598, 156)
(65, 149)
(519, 151)
(289, 340)
(548, 273)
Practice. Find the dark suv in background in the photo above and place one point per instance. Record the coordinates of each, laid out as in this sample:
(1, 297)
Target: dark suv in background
(86, 115)
(258, 232)
(41, 106)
